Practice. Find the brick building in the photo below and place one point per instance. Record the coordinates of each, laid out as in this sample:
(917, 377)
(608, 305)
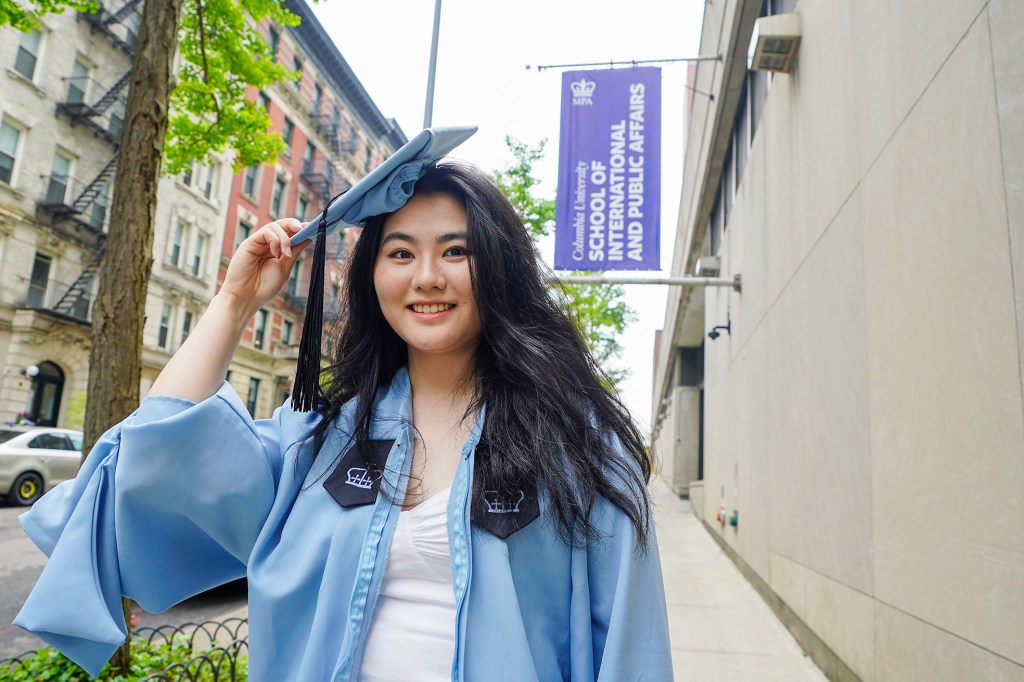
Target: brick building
(334, 134)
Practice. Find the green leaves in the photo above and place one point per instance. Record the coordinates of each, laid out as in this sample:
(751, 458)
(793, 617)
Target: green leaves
(600, 312)
(24, 16)
(518, 183)
(50, 665)
(223, 58)
(223, 55)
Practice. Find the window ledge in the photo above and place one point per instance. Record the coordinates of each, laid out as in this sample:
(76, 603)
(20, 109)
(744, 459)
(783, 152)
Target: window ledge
(18, 76)
(212, 203)
(10, 189)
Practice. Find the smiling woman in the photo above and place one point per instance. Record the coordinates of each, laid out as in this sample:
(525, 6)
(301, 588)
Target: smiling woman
(466, 490)
(423, 282)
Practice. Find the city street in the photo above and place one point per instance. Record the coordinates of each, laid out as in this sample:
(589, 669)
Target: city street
(21, 563)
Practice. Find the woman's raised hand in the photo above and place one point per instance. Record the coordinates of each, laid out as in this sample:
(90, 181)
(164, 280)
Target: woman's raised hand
(261, 265)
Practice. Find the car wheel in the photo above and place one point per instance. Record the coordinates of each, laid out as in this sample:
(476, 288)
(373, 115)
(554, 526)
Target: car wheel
(27, 489)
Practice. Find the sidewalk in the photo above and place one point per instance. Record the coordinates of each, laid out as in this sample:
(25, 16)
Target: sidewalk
(721, 629)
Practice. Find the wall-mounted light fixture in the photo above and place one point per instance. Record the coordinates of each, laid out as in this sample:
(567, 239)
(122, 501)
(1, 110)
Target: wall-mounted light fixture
(32, 371)
(715, 333)
(777, 39)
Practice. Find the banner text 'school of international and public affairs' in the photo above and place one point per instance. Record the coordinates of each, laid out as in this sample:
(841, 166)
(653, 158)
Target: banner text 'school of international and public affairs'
(607, 214)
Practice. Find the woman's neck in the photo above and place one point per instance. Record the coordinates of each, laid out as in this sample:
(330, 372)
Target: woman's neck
(441, 377)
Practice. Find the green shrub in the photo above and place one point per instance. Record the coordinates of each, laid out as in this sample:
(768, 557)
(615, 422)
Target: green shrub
(49, 665)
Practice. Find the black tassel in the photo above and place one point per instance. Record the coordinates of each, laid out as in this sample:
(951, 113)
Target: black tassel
(306, 392)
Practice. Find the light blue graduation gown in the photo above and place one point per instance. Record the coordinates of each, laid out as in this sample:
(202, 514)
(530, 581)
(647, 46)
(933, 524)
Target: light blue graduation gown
(183, 496)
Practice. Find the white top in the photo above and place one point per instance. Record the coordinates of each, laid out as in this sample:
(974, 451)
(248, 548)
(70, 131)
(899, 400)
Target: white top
(413, 632)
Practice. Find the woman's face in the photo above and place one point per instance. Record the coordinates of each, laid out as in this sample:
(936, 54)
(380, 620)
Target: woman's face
(422, 277)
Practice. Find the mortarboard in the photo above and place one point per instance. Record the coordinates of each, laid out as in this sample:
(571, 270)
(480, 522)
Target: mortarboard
(384, 189)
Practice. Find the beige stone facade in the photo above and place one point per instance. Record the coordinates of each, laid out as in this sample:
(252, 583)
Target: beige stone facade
(62, 91)
(864, 415)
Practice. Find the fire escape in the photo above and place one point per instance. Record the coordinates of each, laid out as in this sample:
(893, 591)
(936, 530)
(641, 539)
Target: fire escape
(82, 204)
(321, 170)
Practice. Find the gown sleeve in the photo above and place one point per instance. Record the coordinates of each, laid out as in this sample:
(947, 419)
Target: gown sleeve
(629, 618)
(168, 503)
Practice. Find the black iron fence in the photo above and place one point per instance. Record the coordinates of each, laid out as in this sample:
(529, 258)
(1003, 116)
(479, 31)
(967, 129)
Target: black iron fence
(211, 651)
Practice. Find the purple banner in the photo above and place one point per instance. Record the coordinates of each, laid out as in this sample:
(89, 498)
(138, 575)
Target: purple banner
(607, 212)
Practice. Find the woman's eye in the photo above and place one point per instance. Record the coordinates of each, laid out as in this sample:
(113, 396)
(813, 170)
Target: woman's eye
(401, 254)
(456, 251)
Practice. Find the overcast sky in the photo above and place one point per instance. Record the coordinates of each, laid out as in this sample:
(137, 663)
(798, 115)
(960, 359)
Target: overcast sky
(482, 79)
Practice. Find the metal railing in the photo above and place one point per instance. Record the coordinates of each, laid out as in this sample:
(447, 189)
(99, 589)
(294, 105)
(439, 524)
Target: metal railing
(119, 21)
(323, 177)
(46, 297)
(220, 651)
(100, 107)
(66, 196)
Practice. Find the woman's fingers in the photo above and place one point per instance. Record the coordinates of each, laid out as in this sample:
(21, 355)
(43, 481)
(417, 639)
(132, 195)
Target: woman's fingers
(284, 244)
(275, 237)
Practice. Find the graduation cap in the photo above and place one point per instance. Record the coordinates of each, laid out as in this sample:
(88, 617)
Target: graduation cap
(383, 190)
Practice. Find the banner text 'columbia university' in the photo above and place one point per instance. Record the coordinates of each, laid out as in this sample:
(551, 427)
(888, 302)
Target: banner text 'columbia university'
(607, 214)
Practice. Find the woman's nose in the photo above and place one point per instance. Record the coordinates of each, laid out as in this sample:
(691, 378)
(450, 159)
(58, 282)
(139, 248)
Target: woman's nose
(429, 276)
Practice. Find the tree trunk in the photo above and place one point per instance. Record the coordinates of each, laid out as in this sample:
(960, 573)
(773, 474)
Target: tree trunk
(115, 360)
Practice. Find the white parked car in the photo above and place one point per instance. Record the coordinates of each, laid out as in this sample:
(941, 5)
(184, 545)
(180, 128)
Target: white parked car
(33, 459)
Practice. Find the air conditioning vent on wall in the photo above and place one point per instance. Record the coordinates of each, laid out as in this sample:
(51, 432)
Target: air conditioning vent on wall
(777, 38)
(709, 266)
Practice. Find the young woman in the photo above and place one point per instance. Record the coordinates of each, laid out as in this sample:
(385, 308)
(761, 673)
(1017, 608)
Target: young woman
(468, 502)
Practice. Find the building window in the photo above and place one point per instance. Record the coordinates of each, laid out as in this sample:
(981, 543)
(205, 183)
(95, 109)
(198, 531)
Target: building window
(298, 71)
(318, 96)
(307, 158)
(186, 325)
(60, 178)
(211, 179)
(242, 232)
(186, 177)
(265, 101)
(78, 83)
(197, 255)
(28, 53)
(293, 279)
(249, 181)
(274, 41)
(287, 133)
(261, 328)
(116, 124)
(9, 137)
(278, 196)
(165, 325)
(303, 207)
(286, 332)
(179, 238)
(38, 282)
(366, 159)
(98, 211)
(254, 395)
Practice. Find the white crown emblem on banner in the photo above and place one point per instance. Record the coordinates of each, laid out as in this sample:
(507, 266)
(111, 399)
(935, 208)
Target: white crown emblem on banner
(360, 478)
(498, 505)
(583, 87)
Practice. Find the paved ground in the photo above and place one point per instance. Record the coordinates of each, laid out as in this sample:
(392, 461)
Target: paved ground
(722, 631)
(20, 566)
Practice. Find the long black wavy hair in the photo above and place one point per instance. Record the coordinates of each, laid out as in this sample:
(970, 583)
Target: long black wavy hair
(551, 417)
